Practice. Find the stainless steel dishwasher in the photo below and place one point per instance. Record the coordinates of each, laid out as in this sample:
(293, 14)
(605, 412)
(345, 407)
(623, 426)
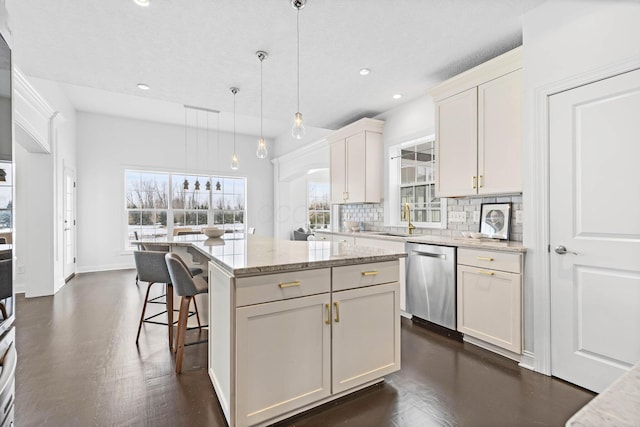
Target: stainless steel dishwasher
(431, 283)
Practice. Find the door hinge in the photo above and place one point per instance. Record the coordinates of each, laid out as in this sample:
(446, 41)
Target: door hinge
(74, 222)
(74, 260)
(549, 248)
(74, 184)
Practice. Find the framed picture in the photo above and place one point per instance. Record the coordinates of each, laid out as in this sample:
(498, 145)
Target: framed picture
(494, 220)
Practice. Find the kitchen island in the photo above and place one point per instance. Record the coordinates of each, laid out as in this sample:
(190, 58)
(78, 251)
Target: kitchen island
(295, 324)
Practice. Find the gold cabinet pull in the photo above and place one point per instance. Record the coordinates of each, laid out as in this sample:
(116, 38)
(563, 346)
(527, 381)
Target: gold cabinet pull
(474, 182)
(337, 318)
(488, 273)
(370, 273)
(289, 284)
(328, 319)
(484, 258)
(480, 181)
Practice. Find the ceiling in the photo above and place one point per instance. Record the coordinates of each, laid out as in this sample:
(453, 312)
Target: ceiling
(191, 52)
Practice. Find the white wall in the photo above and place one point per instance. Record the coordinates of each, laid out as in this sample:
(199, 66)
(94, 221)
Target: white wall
(290, 183)
(411, 120)
(39, 208)
(563, 40)
(108, 145)
(285, 143)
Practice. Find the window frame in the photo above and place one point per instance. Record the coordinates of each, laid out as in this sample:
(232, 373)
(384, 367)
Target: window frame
(172, 175)
(395, 185)
(327, 198)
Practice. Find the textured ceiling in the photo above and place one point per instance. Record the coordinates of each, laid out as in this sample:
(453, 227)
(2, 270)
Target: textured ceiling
(191, 52)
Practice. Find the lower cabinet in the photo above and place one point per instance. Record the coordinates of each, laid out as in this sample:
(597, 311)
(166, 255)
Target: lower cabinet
(366, 339)
(294, 352)
(283, 356)
(490, 297)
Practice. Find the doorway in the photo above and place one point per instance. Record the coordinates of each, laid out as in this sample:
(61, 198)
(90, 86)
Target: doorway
(69, 230)
(594, 213)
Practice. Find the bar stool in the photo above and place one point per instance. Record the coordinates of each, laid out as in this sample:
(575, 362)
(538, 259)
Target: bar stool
(152, 268)
(187, 287)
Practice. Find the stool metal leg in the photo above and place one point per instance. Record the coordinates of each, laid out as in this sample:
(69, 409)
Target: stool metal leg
(144, 308)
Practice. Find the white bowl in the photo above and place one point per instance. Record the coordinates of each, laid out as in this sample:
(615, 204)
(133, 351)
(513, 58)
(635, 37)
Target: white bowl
(466, 233)
(475, 234)
(212, 231)
(355, 229)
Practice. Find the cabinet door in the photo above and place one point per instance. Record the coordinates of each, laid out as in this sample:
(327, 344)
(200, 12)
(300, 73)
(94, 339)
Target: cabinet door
(500, 135)
(490, 306)
(338, 171)
(283, 357)
(374, 167)
(456, 145)
(366, 335)
(356, 168)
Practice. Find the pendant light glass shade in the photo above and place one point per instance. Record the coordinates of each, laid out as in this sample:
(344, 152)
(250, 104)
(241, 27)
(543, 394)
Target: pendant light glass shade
(235, 164)
(197, 185)
(297, 131)
(261, 152)
(207, 186)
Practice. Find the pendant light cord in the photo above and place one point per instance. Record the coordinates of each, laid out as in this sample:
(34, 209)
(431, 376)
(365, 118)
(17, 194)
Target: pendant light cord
(261, 116)
(234, 123)
(298, 53)
(185, 140)
(218, 142)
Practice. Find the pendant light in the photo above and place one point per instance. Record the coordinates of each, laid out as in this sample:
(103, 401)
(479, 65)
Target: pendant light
(218, 186)
(261, 152)
(207, 186)
(235, 164)
(297, 131)
(196, 186)
(185, 184)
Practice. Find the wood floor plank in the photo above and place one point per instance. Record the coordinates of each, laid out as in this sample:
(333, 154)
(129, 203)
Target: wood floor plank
(78, 365)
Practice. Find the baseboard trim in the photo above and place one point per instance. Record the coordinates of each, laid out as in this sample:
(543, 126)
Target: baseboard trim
(494, 348)
(528, 360)
(98, 268)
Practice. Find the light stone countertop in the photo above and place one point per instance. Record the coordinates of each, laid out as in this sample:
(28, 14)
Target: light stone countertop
(460, 242)
(618, 405)
(252, 255)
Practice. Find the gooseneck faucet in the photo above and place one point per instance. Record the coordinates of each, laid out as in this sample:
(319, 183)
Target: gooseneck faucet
(406, 215)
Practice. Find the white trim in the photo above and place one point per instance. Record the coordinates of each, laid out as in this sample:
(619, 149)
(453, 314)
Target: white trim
(98, 268)
(538, 195)
(527, 361)
(493, 348)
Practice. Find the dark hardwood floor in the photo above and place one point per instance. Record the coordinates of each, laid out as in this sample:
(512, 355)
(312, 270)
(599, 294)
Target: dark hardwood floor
(78, 365)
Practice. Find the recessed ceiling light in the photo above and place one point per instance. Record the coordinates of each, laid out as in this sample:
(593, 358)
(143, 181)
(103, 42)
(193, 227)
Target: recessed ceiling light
(143, 86)
(364, 71)
(397, 96)
(143, 3)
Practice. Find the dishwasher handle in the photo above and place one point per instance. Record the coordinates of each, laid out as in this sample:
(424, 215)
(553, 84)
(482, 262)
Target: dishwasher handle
(429, 254)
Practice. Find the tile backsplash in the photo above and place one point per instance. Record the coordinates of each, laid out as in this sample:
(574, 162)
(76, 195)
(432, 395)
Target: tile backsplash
(372, 216)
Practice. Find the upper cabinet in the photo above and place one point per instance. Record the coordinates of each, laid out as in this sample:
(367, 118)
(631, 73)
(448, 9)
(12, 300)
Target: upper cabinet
(356, 162)
(478, 129)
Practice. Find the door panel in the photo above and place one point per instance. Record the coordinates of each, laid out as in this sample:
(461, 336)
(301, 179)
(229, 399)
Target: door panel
(68, 233)
(595, 214)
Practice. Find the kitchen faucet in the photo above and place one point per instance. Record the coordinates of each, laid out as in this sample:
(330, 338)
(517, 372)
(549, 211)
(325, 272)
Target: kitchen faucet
(406, 214)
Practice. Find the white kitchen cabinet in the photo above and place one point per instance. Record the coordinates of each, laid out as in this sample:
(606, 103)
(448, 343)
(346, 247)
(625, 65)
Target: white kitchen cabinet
(490, 297)
(356, 162)
(396, 246)
(285, 342)
(478, 129)
(278, 372)
(366, 335)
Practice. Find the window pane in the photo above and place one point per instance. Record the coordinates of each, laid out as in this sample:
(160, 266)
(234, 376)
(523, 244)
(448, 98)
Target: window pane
(408, 175)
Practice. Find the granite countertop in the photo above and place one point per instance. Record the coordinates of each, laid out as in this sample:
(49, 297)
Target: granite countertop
(462, 242)
(618, 405)
(252, 255)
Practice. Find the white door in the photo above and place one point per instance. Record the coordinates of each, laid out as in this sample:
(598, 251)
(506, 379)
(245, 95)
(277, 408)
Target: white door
(68, 234)
(595, 214)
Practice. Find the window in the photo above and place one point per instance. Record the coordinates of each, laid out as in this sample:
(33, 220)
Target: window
(318, 204)
(6, 200)
(157, 203)
(412, 173)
